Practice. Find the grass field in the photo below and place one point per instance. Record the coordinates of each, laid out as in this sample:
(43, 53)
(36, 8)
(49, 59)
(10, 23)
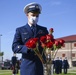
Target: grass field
(9, 72)
(6, 72)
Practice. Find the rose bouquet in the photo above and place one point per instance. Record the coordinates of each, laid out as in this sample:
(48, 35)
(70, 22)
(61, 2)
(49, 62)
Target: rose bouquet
(49, 45)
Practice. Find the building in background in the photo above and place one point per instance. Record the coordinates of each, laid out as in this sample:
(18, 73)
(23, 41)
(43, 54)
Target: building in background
(68, 50)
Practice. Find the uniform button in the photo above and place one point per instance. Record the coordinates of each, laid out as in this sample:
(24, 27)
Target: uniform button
(25, 38)
(18, 46)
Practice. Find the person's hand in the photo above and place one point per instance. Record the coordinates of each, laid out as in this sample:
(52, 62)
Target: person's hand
(29, 48)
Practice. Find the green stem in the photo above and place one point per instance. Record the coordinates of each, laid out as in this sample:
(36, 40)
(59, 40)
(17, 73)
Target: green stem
(39, 55)
(43, 51)
(55, 54)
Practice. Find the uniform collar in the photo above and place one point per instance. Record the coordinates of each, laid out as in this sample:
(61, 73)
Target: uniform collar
(30, 24)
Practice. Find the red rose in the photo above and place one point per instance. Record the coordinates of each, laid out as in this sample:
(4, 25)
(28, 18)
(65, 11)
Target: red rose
(49, 44)
(53, 41)
(61, 42)
(32, 43)
(43, 45)
(51, 30)
(43, 39)
(35, 39)
(49, 37)
(57, 43)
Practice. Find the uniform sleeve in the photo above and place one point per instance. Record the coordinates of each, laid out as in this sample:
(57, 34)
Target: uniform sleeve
(46, 31)
(17, 45)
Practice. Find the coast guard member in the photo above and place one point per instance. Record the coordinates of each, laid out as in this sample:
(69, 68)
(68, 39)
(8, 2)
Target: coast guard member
(57, 66)
(30, 64)
(14, 60)
(65, 65)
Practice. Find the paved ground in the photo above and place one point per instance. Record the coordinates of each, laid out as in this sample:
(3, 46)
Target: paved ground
(5, 73)
(72, 70)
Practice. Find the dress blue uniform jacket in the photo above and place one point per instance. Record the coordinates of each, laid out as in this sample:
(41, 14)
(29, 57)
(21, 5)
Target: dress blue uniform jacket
(30, 64)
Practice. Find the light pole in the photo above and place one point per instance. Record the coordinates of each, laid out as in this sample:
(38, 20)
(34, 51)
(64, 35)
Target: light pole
(0, 42)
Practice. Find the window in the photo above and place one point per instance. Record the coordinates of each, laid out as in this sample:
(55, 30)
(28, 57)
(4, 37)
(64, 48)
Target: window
(74, 44)
(73, 54)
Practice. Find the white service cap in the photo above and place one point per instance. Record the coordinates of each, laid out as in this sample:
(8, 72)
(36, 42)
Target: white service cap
(32, 7)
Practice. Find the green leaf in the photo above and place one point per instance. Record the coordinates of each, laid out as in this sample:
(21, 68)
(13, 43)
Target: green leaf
(1, 53)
